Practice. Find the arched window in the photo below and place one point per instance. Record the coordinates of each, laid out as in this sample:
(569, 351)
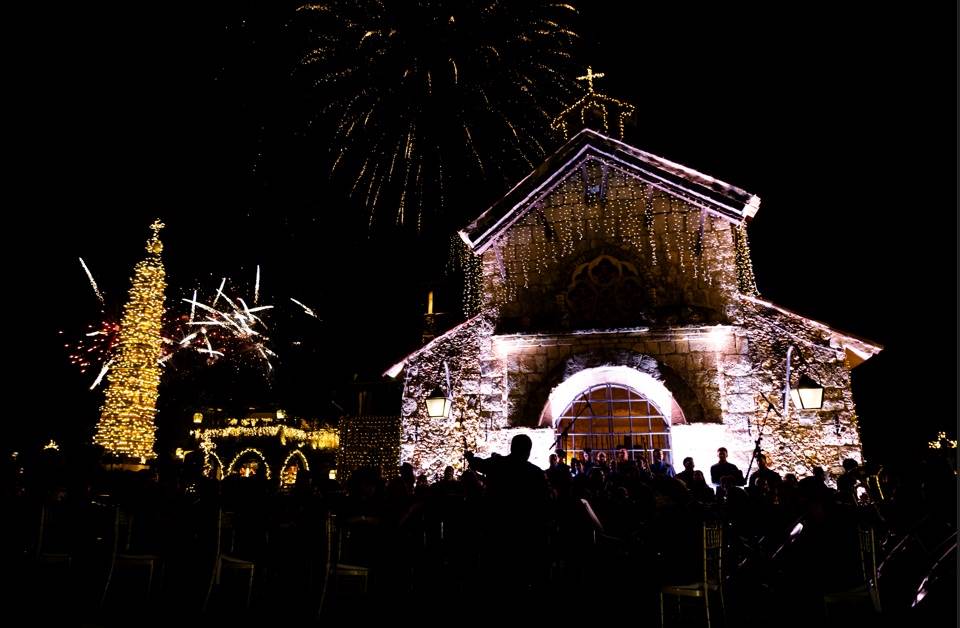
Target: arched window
(607, 417)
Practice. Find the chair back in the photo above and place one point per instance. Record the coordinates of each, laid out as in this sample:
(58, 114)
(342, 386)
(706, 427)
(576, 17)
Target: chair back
(355, 536)
(712, 552)
(53, 532)
(226, 532)
(868, 562)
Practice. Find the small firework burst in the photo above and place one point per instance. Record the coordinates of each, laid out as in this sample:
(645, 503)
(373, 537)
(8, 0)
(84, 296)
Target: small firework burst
(95, 347)
(224, 327)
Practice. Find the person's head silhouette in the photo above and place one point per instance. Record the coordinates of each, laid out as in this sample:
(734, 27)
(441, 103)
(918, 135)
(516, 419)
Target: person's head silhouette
(520, 446)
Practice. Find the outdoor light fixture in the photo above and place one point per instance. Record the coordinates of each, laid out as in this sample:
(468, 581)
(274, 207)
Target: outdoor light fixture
(438, 404)
(807, 395)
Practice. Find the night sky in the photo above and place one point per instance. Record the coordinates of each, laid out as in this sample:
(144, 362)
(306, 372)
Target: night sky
(846, 132)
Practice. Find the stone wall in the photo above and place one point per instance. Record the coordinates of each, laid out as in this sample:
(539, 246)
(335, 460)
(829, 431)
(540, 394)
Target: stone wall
(477, 409)
(502, 382)
(802, 439)
(691, 362)
(718, 375)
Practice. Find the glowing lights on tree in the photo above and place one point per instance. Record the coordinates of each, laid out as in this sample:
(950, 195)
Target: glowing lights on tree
(126, 427)
(942, 441)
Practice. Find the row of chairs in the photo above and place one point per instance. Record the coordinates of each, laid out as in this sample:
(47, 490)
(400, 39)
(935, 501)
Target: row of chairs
(866, 594)
(51, 548)
(341, 564)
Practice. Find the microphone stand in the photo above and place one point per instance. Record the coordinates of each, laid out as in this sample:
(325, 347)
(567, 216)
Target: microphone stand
(756, 448)
(563, 434)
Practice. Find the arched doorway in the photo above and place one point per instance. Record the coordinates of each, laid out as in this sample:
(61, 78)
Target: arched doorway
(249, 463)
(608, 416)
(292, 468)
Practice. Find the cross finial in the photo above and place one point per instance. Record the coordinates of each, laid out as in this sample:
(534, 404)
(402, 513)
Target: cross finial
(153, 244)
(588, 77)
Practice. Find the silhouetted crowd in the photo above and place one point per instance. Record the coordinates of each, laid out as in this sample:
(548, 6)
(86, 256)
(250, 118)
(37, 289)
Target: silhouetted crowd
(592, 538)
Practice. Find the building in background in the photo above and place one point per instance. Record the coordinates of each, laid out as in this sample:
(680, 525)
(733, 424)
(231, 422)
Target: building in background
(267, 444)
(617, 308)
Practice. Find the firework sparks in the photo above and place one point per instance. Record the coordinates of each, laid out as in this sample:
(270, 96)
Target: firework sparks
(412, 88)
(103, 371)
(305, 308)
(193, 307)
(95, 347)
(223, 282)
(256, 287)
(220, 332)
(96, 290)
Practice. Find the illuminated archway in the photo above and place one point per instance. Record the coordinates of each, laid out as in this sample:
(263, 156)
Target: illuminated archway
(610, 407)
(209, 469)
(256, 452)
(291, 468)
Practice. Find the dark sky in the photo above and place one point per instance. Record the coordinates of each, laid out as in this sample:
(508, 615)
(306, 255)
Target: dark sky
(842, 120)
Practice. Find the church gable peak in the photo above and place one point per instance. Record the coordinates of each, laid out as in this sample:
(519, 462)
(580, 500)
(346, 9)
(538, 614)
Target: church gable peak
(595, 158)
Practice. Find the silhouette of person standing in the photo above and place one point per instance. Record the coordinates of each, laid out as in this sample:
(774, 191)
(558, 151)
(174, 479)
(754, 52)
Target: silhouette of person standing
(516, 495)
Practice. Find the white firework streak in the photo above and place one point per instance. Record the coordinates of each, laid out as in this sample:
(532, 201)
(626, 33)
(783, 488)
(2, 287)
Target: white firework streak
(225, 298)
(238, 321)
(93, 283)
(209, 350)
(305, 308)
(256, 287)
(103, 371)
(249, 312)
(223, 282)
(263, 353)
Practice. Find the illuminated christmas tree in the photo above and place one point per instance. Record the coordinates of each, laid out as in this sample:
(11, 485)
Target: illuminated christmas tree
(126, 427)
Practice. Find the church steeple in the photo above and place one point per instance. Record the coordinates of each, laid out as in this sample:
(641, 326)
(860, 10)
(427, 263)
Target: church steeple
(593, 111)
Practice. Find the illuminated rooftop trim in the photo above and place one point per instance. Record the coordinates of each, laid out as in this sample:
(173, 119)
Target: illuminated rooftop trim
(702, 190)
(862, 348)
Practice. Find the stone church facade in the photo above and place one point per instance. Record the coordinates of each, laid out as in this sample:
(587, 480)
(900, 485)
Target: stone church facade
(618, 309)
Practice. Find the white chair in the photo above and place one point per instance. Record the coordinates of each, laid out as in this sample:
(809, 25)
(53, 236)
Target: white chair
(224, 558)
(340, 537)
(868, 591)
(122, 555)
(712, 581)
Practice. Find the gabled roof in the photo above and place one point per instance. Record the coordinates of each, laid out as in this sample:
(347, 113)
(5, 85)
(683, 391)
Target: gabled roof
(697, 188)
(395, 370)
(858, 349)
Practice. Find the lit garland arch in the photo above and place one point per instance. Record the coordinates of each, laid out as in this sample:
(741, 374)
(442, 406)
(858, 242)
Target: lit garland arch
(303, 459)
(249, 450)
